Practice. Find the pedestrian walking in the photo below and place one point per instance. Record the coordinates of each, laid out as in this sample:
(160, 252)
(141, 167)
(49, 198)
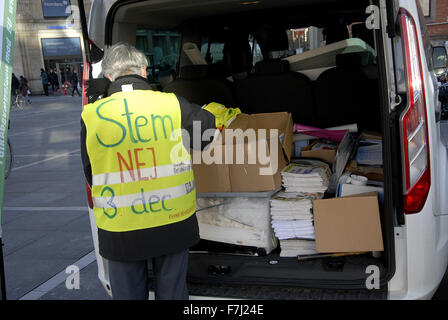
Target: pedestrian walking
(44, 77)
(74, 81)
(15, 85)
(146, 215)
(54, 80)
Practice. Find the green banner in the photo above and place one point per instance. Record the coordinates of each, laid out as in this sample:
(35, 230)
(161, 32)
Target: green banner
(7, 32)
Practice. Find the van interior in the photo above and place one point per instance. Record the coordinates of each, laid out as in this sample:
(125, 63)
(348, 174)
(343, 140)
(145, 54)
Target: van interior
(314, 59)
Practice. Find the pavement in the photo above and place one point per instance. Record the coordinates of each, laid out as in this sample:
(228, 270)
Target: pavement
(45, 221)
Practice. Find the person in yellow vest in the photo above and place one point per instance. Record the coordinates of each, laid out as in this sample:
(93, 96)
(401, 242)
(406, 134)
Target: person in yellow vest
(140, 173)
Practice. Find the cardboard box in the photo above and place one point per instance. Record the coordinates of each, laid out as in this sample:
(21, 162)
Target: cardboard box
(242, 174)
(326, 155)
(348, 224)
(371, 173)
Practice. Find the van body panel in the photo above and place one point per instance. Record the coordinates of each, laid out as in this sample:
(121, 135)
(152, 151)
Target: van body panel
(422, 243)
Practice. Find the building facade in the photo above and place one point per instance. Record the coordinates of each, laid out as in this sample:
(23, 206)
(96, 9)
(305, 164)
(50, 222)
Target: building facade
(436, 17)
(48, 35)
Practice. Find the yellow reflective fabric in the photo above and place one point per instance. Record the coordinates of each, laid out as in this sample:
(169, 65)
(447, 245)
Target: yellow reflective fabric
(142, 175)
(223, 116)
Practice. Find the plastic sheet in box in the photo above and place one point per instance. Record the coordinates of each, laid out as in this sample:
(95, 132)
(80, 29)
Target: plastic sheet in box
(243, 221)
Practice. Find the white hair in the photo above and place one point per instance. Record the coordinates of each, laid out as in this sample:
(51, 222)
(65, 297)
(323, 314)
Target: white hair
(123, 59)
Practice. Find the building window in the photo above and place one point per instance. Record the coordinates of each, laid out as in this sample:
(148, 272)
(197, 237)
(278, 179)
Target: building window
(162, 49)
(61, 47)
(53, 9)
(426, 7)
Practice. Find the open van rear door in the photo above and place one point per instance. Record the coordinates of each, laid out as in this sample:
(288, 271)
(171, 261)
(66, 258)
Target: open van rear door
(93, 55)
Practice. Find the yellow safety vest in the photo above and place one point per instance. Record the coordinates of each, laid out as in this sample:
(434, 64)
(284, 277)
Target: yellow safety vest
(141, 173)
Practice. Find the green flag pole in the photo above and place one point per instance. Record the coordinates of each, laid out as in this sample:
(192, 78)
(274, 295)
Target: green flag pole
(7, 33)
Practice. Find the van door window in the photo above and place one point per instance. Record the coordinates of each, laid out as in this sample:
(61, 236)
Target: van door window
(162, 49)
(212, 51)
(257, 55)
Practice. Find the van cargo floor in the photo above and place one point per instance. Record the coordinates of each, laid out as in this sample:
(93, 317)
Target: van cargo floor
(348, 273)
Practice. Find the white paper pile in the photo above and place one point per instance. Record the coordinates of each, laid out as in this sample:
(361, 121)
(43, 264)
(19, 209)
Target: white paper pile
(292, 221)
(291, 206)
(289, 229)
(296, 247)
(308, 177)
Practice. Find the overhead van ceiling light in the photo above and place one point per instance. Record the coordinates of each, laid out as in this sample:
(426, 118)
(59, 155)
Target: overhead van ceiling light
(245, 3)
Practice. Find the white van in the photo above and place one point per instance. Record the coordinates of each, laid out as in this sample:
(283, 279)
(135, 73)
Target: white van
(386, 84)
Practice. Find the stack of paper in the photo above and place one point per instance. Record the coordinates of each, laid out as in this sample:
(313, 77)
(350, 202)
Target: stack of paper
(289, 229)
(308, 176)
(296, 237)
(296, 247)
(292, 222)
(291, 206)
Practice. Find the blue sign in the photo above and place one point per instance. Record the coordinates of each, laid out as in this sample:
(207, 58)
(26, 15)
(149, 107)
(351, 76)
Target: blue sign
(52, 47)
(56, 8)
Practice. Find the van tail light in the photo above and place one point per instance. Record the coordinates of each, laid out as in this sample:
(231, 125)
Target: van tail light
(85, 77)
(89, 195)
(413, 122)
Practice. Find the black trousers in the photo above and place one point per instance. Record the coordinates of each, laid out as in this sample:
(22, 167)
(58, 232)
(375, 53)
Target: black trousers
(129, 279)
(75, 87)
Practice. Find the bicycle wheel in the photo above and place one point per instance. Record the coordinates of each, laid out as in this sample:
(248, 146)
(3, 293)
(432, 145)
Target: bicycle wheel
(20, 102)
(8, 159)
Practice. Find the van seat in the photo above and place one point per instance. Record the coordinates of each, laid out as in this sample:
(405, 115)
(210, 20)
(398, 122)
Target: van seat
(195, 85)
(274, 88)
(348, 93)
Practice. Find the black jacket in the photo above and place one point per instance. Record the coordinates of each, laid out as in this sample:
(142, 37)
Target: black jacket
(74, 79)
(152, 242)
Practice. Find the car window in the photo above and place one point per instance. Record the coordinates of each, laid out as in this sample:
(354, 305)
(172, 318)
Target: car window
(212, 51)
(257, 55)
(216, 52)
(439, 57)
(162, 49)
(300, 40)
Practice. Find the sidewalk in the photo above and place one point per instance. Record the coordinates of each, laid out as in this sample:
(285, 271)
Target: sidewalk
(45, 218)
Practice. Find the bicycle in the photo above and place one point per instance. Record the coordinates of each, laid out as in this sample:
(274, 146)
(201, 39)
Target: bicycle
(19, 101)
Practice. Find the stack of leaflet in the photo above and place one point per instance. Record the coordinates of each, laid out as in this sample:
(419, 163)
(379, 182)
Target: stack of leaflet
(291, 206)
(297, 247)
(306, 176)
(301, 229)
(292, 221)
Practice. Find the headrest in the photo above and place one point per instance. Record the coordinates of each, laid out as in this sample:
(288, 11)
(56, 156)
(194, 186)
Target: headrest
(194, 72)
(276, 40)
(271, 67)
(353, 59)
(238, 56)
